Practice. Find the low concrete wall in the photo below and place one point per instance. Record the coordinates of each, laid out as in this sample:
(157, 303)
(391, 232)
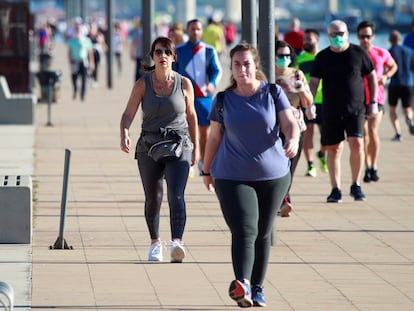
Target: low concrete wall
(15, 209)
(16, 108)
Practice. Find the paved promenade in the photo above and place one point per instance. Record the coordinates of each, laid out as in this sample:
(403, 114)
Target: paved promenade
(348, 256)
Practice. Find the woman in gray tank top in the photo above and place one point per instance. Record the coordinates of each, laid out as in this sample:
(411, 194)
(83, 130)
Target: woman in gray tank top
(167, 104)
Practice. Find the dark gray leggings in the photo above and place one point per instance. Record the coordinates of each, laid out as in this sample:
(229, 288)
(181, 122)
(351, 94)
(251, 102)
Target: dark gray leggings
(152, 177)
(249, 209)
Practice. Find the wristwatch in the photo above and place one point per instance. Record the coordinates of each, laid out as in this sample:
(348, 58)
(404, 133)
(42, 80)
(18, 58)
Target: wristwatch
(202, 173)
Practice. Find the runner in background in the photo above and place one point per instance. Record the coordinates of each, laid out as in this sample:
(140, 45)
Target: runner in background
(305, 61)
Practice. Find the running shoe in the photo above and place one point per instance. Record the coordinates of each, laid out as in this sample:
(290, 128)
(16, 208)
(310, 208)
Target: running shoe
(258, 296)
(285, 208)
(177, 251)
(357, 193)
(335, 196)
(155, 252)
(191, 172)
(240, 292)
(374, 174)
(322, 162)
(311, 171)
(410, 124)
(367, 176)
(397, 137)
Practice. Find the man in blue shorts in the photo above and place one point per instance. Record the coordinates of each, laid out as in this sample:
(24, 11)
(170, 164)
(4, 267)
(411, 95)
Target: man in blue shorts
(409, 42)
(342, 67)
(199, 62)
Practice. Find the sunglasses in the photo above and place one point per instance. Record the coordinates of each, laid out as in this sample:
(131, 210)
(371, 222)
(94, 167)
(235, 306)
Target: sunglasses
(365, 37)
(336, 33)
(159, 52)
(283, 55)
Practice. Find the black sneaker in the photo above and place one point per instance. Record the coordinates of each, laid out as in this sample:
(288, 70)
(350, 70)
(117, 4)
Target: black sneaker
(367, 176)
(335, 196)
(374, 174)
(397, 137)
(411, 127)
(410, 124)
(357, 193)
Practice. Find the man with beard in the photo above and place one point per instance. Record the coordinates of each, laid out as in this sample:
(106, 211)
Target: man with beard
(304, 62)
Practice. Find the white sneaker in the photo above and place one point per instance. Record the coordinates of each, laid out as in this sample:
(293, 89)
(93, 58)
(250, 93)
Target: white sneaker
(155, 252)
(191, 172)
(177, 251)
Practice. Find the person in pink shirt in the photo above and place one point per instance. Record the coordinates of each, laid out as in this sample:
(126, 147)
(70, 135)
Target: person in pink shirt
(385, 68)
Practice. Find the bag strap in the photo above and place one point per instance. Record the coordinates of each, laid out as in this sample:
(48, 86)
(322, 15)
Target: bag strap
(273, 92)
(220, 101)
(220, 98)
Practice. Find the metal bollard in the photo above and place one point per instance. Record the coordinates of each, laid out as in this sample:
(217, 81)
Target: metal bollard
(49, 101)
(7, 291)
(61, 242)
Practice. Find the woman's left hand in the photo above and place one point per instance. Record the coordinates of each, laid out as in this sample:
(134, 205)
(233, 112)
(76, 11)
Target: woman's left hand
(208, 182)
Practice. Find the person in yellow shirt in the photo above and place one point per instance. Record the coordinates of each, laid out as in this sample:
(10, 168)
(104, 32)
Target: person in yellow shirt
(213, 34)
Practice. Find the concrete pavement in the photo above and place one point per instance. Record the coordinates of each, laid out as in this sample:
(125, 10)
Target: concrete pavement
(348, 256)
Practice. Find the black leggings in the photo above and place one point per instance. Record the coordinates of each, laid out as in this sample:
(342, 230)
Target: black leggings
(249, 209)
(152, 176)
(82, 72)
(97, 60)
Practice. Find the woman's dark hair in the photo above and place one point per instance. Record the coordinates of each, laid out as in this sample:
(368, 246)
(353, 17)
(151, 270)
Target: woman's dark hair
(283, 44)
(242, 47)
(165, 43)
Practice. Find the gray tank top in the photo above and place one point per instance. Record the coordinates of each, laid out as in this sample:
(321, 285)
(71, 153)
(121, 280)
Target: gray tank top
(164, 111)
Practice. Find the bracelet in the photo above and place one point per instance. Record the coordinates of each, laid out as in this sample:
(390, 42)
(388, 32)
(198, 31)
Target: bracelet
(202, 173)
(373, 101)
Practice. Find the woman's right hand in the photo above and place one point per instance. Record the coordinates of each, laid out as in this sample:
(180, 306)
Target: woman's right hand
(291, 147)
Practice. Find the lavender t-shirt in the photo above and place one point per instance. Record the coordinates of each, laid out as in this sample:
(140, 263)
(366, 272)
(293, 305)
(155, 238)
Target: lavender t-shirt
(251, 148)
